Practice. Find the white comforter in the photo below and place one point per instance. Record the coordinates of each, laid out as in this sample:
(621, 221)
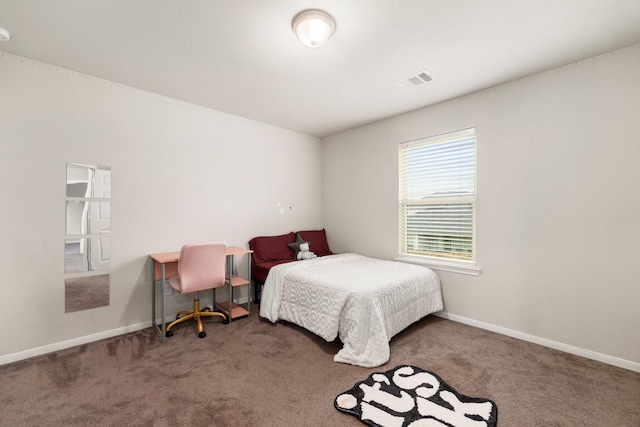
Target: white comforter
(363, 301)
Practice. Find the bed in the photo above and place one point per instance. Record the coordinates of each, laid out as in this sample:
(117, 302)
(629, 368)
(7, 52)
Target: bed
(360, 300)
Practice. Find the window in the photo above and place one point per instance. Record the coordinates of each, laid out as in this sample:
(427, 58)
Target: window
(438, 197)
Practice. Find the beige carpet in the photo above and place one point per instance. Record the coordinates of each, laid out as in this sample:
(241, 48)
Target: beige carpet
(253, 373)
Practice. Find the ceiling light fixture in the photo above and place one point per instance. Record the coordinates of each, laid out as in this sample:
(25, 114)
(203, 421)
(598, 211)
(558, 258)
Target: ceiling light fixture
(4, 35)
(313, 27)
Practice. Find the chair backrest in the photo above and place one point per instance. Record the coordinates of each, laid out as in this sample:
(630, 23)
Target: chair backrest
(202, 266)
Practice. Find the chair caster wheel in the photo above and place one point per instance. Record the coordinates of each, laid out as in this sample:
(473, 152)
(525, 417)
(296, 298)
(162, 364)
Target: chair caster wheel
(225, 321)
(168, 334)
(202, 334)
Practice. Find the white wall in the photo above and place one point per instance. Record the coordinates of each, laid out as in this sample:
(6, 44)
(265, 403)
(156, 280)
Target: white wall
(181, 173)
(558, 167)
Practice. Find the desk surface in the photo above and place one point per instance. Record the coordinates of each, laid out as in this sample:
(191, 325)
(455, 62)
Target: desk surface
(168, 257)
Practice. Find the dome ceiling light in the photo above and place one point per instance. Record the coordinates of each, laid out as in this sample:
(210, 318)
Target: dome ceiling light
(313, 27)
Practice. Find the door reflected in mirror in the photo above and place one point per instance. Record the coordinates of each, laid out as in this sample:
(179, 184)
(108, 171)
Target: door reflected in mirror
(87, 230)
(88, 181)
(84, 217)
(86, 254)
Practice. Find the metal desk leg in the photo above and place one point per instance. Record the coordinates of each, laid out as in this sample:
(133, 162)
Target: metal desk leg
(160, 329)
(249, 290)
(230, 272)
(164, 277)
(153, 295)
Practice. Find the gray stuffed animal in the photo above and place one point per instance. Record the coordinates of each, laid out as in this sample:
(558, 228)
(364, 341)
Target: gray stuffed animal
(305, 253)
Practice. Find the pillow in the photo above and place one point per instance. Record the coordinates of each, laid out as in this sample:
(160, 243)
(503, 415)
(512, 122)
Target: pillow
(296, 246)
(272, 248)
(317, 241)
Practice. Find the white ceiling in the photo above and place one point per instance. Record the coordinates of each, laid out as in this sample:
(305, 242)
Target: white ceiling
(241, 56)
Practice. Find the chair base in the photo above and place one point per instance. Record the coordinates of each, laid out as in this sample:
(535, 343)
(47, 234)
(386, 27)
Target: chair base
(196, 314)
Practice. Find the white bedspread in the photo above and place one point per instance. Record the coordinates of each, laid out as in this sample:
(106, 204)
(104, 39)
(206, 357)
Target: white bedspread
(363, 301)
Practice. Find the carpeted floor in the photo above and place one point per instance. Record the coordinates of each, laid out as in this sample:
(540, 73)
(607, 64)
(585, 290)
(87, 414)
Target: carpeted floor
(253, 373)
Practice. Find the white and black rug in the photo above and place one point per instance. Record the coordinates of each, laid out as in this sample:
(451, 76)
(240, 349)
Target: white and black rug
(408, 396)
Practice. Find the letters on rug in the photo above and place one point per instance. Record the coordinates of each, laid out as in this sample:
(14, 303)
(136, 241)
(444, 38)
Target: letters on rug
(409, 396)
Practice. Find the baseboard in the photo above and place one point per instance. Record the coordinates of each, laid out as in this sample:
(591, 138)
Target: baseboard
(38, 351)
(611, 360)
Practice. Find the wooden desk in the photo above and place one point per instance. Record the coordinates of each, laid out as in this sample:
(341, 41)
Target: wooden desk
(165, 265)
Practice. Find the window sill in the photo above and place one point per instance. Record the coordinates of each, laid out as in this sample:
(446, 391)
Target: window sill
(453, 266)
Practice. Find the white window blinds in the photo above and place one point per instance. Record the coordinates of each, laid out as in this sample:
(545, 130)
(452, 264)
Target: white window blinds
(438, 196)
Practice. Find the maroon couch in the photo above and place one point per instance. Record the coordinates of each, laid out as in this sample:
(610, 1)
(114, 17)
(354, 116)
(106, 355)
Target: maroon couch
(269, 251)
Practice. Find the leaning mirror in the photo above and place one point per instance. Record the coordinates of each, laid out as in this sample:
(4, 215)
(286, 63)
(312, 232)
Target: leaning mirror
(87, 230)
(83, 293)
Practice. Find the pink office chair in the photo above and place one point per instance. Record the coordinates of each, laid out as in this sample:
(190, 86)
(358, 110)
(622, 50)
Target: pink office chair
(201, 267)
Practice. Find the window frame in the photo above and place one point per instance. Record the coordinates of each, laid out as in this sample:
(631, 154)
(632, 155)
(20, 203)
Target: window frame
(456, 265)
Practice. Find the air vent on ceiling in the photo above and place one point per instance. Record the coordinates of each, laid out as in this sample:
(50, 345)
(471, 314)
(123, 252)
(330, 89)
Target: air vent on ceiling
(415, 80)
